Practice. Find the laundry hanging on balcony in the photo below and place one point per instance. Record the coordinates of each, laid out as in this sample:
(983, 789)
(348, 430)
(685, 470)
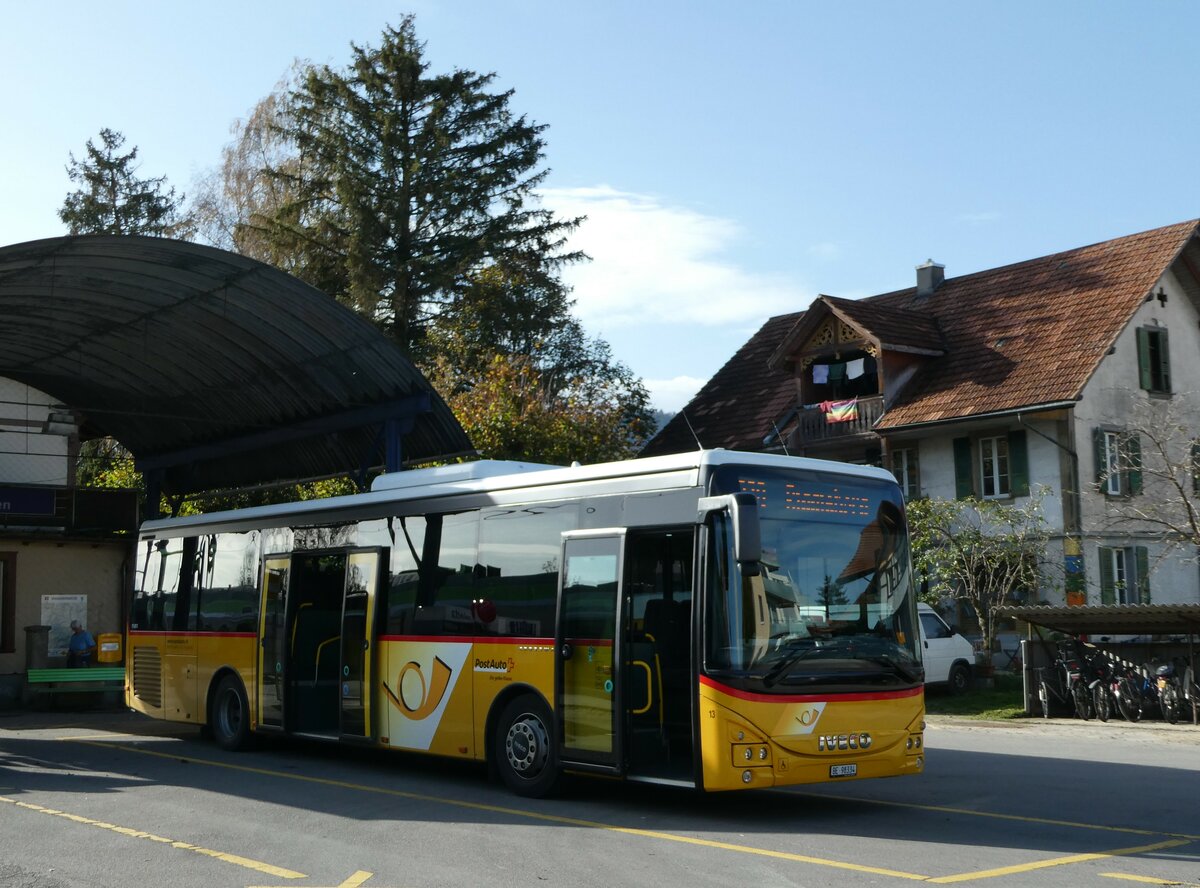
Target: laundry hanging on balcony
(840, 411)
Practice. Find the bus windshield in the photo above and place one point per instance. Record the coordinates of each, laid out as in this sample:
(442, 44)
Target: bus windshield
(832, 605)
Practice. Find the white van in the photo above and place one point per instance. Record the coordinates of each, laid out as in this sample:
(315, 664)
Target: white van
(948, 656)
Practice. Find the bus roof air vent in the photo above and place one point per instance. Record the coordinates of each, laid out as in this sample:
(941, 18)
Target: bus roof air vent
(472, 471)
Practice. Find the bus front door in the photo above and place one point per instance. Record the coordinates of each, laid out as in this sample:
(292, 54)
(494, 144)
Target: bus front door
(272, 641)
(588, 637)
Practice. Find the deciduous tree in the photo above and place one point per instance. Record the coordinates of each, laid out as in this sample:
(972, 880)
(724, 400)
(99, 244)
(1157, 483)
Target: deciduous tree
(979, 551)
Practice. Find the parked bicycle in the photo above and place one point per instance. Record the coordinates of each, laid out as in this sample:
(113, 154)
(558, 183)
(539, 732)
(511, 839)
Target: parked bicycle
(1065, 684)
(1173, 693)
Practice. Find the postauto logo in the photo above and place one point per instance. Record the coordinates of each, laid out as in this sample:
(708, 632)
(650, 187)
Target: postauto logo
(493, 665)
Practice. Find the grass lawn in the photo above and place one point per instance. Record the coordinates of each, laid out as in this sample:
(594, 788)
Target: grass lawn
(1005, 700)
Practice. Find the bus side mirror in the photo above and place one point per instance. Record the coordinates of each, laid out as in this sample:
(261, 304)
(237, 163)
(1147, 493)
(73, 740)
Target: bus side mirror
(747, 532)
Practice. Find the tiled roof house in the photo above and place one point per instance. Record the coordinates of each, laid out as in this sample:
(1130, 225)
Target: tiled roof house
(988, 383)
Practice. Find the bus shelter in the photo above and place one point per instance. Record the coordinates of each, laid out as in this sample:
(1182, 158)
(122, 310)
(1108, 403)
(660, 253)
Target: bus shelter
(1135, 633)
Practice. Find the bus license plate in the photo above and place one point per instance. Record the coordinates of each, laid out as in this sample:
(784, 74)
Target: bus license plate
(843, 770)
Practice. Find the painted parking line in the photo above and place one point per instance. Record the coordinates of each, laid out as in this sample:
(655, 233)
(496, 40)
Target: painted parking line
(235, 859)
(994, 815)
(355, 881)
(1057, 861)
(1148, 880)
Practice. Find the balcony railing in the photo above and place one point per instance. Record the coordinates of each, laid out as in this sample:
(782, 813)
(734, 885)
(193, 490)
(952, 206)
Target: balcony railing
(815, 426)
(78, 511)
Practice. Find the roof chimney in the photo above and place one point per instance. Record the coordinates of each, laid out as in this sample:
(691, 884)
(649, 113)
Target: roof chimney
(929, 277)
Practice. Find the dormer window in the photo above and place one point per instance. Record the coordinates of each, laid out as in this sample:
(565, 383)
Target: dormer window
(845, 376)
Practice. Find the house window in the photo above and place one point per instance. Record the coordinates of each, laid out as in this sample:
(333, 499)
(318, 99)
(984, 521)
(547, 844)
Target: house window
(1154, 360)
(993, 466)
(904, 467)
(1112, 463)
(1118, 462)
(1124, 575)
(993, 463)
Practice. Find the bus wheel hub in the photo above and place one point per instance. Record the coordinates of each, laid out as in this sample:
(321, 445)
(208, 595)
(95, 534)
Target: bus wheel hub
(527, 745)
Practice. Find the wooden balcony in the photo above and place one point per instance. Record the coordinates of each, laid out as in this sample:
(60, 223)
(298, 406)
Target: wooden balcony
(813, 427)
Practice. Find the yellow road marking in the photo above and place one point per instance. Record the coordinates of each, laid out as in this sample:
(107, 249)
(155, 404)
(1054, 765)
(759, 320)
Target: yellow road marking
(1057, 861)
(1020, 818)
(532, 815)
(1146, 879)
(139, 834)
(353, 882)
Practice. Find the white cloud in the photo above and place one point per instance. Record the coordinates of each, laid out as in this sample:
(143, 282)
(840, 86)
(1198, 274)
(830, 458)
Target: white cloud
(653, 262)
(672, 394)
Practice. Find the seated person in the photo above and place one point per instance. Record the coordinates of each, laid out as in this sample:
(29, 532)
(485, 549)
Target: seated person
(82, 647)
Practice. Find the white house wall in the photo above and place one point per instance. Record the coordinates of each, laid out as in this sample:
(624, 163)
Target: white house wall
(935, 455)
(1113, 398)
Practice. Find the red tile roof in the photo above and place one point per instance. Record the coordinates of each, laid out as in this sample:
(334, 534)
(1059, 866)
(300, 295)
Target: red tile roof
(1017, 336)
(1030, 333)
(740, 405)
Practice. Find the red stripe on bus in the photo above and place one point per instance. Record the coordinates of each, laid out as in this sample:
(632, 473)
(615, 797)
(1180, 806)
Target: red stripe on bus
(807, 698)
(151, 633)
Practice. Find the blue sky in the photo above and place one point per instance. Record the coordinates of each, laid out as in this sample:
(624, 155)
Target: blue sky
(734, 160)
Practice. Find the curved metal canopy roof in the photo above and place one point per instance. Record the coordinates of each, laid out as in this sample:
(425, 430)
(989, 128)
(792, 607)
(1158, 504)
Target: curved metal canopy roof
(215, 369)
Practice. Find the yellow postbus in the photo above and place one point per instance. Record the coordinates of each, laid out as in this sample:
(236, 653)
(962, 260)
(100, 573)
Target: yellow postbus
(716, 619)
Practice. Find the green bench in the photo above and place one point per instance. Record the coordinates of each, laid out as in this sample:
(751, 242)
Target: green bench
(75, 681)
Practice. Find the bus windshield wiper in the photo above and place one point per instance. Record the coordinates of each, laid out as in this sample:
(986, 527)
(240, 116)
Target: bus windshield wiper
(780, 669)
(899, 668)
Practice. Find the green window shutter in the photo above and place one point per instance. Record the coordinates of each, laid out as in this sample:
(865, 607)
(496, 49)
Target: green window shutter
(1143, 574)
(963, 475)
(1107, 595)
(1133, 463)
(1018, 464)
(1101, 457)
(1143, 349)
(1164, 361)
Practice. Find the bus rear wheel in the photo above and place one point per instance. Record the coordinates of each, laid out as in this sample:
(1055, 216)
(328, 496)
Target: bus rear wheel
(524, 748)
(229, 718)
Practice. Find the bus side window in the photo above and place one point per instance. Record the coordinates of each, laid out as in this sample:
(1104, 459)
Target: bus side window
(405, 538)
(517, 584)
(447, 575)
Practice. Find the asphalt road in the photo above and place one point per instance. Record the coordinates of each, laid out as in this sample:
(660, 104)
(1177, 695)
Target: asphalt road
(113, 799)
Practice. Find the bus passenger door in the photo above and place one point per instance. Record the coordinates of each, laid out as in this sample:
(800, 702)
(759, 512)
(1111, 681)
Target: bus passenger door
(272, 641)
(587, 673)
(358, 638)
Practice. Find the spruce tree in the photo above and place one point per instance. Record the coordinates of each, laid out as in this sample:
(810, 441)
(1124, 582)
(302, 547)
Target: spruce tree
(407, 184)
(111, 199)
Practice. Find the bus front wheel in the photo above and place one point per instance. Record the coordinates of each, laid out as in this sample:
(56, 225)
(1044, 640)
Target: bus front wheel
(524, 748)
(229, 718)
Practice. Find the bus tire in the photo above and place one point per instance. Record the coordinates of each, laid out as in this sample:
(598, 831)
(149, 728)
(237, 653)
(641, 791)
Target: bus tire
(229, 717)
(526, 755)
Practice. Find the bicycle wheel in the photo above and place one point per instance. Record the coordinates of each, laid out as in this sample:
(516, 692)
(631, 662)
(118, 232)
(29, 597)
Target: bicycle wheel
(1102, 701)
(1128, 700)
(1083, 701)
(1168, 701)
(1044, 696)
